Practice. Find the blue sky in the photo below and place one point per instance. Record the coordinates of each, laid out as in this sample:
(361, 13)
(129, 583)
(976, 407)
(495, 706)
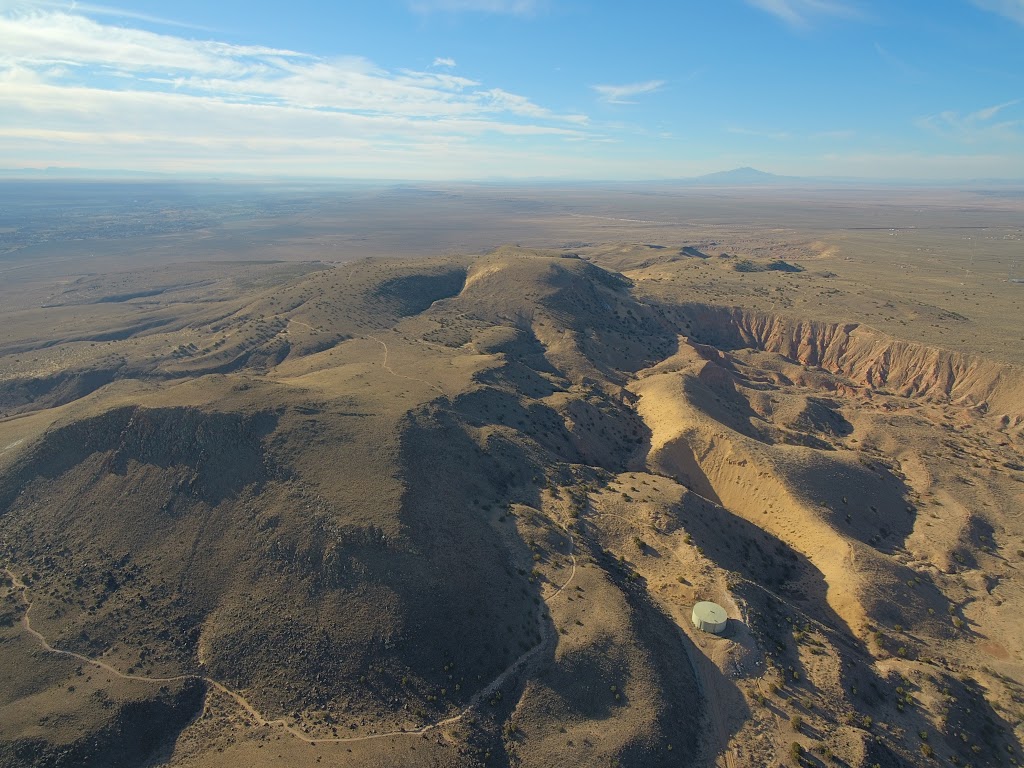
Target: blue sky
(474, 89)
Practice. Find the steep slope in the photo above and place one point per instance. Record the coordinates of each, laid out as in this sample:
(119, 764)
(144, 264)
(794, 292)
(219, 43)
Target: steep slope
(869, 358)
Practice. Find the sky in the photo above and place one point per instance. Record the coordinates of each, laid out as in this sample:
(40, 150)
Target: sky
(506, 89)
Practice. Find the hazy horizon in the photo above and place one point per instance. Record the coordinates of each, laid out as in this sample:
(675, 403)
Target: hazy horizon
(732, 178)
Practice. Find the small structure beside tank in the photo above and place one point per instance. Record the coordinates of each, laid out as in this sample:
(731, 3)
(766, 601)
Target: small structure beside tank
(710, 617)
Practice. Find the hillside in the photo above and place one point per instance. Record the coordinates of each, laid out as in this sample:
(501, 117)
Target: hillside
(456, 511)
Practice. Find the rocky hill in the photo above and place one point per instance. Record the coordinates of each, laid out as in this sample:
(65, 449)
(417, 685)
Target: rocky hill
(456, 512)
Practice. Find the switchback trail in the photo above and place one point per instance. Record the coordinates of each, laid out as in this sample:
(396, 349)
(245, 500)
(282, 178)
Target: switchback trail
(393, 372)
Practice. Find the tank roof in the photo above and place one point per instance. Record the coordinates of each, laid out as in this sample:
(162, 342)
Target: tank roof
(710, 612)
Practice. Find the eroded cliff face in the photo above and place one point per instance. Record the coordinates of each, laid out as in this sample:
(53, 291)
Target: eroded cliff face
(868, 357)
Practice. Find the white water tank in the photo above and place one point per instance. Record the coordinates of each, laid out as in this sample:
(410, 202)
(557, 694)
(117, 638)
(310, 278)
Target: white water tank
(710, 617)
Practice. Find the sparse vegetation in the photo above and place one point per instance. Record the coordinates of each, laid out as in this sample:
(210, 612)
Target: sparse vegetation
(503, 454)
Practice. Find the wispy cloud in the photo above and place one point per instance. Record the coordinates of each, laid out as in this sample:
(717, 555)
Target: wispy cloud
(977, 126)
(43, 38)
(506, 7)
(800, 13)
(62, 43)
(774, 135)
(989, 112)
(443, 62)
(622, 94)
(1011, 9)
(833, 135)
(838, 135)
(895, 62)
(71, 85)
(96, 10)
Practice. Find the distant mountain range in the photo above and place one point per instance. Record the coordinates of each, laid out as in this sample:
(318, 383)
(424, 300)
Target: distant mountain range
(745, 176)
(58, 172)
(752, 177)
(737, 177)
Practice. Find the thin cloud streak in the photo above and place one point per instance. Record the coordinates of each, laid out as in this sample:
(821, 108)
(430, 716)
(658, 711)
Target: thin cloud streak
(840, 135)
(975, 127)
(895, 62)
(1011, 9)
(620, 94)
(503, 7)
(774, 135)
(41, 38)
(97, 10)
(800, 13)
(989, 112)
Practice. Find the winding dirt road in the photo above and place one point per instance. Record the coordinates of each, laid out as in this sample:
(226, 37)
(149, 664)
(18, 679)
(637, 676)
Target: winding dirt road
(245, 704)
(255, 714)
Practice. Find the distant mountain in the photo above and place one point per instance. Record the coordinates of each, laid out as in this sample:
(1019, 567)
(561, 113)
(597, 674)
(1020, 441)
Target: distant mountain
(745, 175)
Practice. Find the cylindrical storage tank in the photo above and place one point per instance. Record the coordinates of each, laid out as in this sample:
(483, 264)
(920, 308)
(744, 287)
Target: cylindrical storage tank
(710, 617)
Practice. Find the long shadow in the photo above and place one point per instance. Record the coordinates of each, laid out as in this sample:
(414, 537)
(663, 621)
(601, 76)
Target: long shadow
(222, 450)
(130, 733)
(990, 739)
(715, 393)
(605, 434)
(785, 592)
(455, 488)
(672, 658)
(30, 394)
(412, 294)
(471, 608)
(866, 501)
